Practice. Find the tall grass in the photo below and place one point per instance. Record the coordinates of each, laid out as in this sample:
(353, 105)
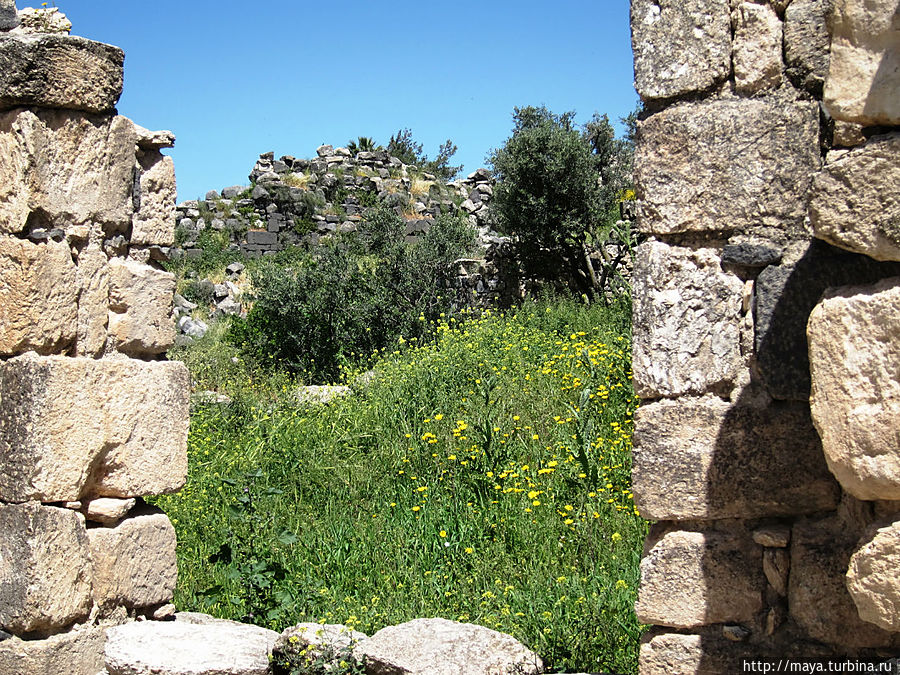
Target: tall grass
(481, 476)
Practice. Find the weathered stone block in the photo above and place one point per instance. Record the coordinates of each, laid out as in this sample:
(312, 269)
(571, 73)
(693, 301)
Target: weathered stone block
(9, 17)
(78, 652)
(92, 280)
(680, 46)
(45, 569)
(442, 647)
(708, 459)
(77, 427)
(874, 577)
(686, 321)
(854, 353)
(757, 48)
(59, 71)
(807, 43)
(107, 511)
(140, 307)
(817, 593)
(784, 298)
(38, 296)
(179, 648)
(134, 562)
(864, 76)
(691, 579)
(154, 218)
(726, 165)
(65, 169)
(856, 199)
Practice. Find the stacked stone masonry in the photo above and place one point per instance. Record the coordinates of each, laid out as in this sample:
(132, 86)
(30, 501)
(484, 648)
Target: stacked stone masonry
(91, 420)
(767, 330)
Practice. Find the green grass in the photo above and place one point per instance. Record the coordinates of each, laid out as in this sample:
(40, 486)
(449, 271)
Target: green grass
(483, 476)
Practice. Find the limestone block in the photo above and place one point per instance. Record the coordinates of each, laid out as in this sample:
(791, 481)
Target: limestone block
(680, 46)
(864, 75)
(178, 648)
(59, 71)
(847, 135)
(92, 280)
(9, 17)
(874, 578)
(708, 459)
(442, 647)
(817, 594)
(78, 652)
(807, 43)
(757, 48)
(854, 352)
(76, 427)
(38, 296)
(154, 218)
(64, 169)
(726, 165)
(43, 20)
(856, 199)
(140, 307)
(106, 510)
(134, 562)
(686, 321)
(45, 569)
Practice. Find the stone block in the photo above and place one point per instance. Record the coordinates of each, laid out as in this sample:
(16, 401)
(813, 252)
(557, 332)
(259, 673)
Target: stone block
(59, 71)
(92, 280)
(73, 428)
(442, 647)
(726, 165)
(179, 648)
(9, 16)
(107, 511)
(134, 562)
(78, 652)
(686, 321)
(757, 48)
(38, 296)
(817, 593)
(864, 74)
(873, 579)
(45, 569)
(709, 459)
(855, 203)
(699, 578)
(807, 43)
(65, 169)
(680, 46)
(784, 298)
(153, 223)
(140, 308)
(854, 353)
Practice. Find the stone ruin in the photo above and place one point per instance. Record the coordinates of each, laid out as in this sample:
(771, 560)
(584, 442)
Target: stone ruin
(767, 330)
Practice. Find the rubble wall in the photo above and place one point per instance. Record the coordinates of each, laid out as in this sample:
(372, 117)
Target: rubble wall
(92, 419)
(767, 330)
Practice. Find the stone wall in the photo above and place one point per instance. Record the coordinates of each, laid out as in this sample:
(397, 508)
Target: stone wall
(92, 419)
(767, 330)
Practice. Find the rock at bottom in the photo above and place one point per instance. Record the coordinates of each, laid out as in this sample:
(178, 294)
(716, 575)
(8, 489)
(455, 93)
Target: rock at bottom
(442, 647)
(178, 648)
(874, 578)
(78, 652)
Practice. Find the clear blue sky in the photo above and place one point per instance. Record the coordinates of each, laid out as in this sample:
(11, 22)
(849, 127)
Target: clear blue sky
(234, 79)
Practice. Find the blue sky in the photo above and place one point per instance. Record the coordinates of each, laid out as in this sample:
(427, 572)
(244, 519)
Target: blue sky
(234, 79)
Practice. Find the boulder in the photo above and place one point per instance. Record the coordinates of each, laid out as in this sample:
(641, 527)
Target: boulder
(807, 43)
(864, 74)
(153, 223)
(45, 569)
(140, 308)
(180, 648)
(699, 578)
(855, 203)
(442, 647)
(78, 427)
(726, 165)
(874, 577)
(38, 296)
(78, 652)
(757, 48)
(854, 352)
(59, 71)
(680, 46)
(43, 20)
(677, 349)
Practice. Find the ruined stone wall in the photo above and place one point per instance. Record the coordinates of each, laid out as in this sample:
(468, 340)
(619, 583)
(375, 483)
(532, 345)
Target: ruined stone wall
(91, 419)
(767, 330)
